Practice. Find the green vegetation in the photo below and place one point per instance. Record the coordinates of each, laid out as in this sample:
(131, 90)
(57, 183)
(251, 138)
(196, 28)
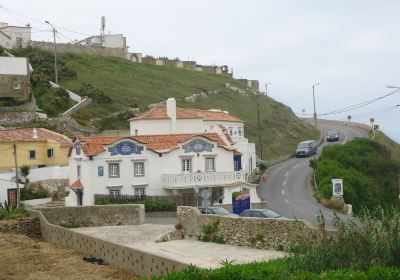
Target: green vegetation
(9, 212)
(391, 145)
(149, 205)
(371, 251)
(209, 232)
(24, 171)
(34, 191)
(368, 172)
(130, 85)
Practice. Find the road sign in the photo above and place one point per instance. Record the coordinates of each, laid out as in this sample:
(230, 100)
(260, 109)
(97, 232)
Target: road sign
(337, 187)
(205, 195)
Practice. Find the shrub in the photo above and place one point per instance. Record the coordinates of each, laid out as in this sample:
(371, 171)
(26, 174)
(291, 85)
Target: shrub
(9, 212)
(376, 242)
(369, 175)
(149, 205)
(95, 94)
(34, 191)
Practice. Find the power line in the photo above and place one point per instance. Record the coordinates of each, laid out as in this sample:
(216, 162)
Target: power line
(359, 105)
(376, 112)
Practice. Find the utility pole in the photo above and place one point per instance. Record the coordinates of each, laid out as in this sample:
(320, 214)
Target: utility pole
(16, 173)
(257, 99)
(266, 88)
(315, 111)
(55, 51)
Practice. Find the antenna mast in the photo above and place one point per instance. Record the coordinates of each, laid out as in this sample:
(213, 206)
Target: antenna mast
(103, 27)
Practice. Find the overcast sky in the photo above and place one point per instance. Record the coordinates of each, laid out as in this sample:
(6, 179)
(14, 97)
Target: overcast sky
(350, 47)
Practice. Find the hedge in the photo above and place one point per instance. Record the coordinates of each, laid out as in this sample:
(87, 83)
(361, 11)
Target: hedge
(149, 205)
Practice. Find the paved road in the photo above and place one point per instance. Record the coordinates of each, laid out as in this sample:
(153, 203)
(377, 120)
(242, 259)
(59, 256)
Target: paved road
(287, 189)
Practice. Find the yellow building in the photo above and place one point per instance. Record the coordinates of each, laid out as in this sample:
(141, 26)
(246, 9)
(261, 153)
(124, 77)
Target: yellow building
(36, 147)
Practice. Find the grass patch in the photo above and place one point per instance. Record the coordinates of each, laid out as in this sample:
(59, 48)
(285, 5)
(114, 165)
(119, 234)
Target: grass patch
(9, 212)
(368, 172)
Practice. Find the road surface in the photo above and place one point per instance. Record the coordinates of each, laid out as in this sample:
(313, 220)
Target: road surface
(288, 190)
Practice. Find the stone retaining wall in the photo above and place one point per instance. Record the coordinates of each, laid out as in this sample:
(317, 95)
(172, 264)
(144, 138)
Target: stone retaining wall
(99, 215)
(251, 232)
(28, 226)
(132, 260)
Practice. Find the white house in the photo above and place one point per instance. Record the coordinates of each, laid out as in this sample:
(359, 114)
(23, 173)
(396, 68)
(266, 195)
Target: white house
(169, 119)
(105, 41)
(14, 36)
(164, 156)
(8, 191)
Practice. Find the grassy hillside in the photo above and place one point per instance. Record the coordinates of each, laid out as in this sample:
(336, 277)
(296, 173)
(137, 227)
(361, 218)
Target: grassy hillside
(391, 145)
(368, 173)
(117, 84)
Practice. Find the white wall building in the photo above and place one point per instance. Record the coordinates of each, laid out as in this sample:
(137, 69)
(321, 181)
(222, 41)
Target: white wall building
(8, 191)
(105, 41)
(164, 156)
(14, 36)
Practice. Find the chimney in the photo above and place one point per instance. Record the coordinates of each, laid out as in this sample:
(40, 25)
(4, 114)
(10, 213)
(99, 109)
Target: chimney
(35, 135)
(171, 112)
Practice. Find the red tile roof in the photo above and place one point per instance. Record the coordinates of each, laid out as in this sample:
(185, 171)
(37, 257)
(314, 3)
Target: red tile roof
(77, 185)
(26, 135)
(160, 112)
(158, 143)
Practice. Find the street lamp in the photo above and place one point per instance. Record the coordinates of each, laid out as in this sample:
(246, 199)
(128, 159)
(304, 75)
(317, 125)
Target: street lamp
(266, 88)
(55, 51)
(315, 112)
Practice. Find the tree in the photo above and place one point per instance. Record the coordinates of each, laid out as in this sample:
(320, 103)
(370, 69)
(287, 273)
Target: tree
(24, 171)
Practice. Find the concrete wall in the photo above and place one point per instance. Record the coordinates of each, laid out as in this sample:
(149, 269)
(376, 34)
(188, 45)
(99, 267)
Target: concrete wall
(100, 215)
(134, 261)
(28, 226)
(275, 233)
(78, 49)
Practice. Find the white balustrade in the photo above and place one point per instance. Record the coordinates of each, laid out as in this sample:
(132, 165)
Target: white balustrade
(202, 179)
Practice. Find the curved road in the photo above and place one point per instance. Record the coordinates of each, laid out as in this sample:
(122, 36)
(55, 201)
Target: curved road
(287, 189)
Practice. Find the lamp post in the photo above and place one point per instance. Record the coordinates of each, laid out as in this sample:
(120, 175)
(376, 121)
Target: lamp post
(266, 88)
(55, 51)
(315, 111)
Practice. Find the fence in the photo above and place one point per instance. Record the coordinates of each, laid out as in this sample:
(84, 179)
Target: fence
(180, 200)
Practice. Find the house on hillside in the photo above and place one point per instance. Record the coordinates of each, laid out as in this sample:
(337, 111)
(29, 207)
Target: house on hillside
(8, 192)
(170, 151)
(36, 147)
(105, 41)
(15, 85)
(14, 36)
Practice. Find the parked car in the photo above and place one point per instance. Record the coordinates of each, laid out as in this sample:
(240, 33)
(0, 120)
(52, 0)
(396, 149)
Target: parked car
(332, 135)
(214, 210)
(260, 213)
(306, 148)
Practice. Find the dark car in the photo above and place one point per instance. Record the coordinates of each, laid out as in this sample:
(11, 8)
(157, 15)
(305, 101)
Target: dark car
(306, 148)
(214, 210)
(261, 213)
(332, 135)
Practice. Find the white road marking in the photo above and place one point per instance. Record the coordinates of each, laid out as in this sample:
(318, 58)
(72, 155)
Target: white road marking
(284, 182)
(286, 201)
(283, 192)
(287, 173)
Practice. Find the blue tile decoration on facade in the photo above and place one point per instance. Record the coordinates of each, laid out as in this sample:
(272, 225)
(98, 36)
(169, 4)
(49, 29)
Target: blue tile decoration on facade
(100, 171)
(198, 146)
(125, 148)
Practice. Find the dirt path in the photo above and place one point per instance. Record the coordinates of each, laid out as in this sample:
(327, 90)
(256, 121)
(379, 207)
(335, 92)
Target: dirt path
(28, 259)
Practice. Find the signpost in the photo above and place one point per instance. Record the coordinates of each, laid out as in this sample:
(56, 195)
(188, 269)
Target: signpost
(337, 187)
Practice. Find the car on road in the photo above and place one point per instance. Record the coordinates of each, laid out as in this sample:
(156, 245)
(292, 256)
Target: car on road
(332, 135)
(306, 148)
(261, 213)
(214, 210)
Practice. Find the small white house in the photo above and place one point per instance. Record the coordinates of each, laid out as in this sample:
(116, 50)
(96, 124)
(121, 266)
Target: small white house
(14, 36)
(8, 191)
(164, 156)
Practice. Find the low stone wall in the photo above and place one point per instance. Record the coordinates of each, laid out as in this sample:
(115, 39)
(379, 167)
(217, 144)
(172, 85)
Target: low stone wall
(258, 205)
(13, 118)
(99, 215)
(132, 260)
(252, 232)
(28, 226)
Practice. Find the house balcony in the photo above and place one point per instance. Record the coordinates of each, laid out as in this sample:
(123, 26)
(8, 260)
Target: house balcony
(202, 179)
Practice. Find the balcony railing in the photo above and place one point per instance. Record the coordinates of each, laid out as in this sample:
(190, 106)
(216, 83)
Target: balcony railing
(202, 179)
